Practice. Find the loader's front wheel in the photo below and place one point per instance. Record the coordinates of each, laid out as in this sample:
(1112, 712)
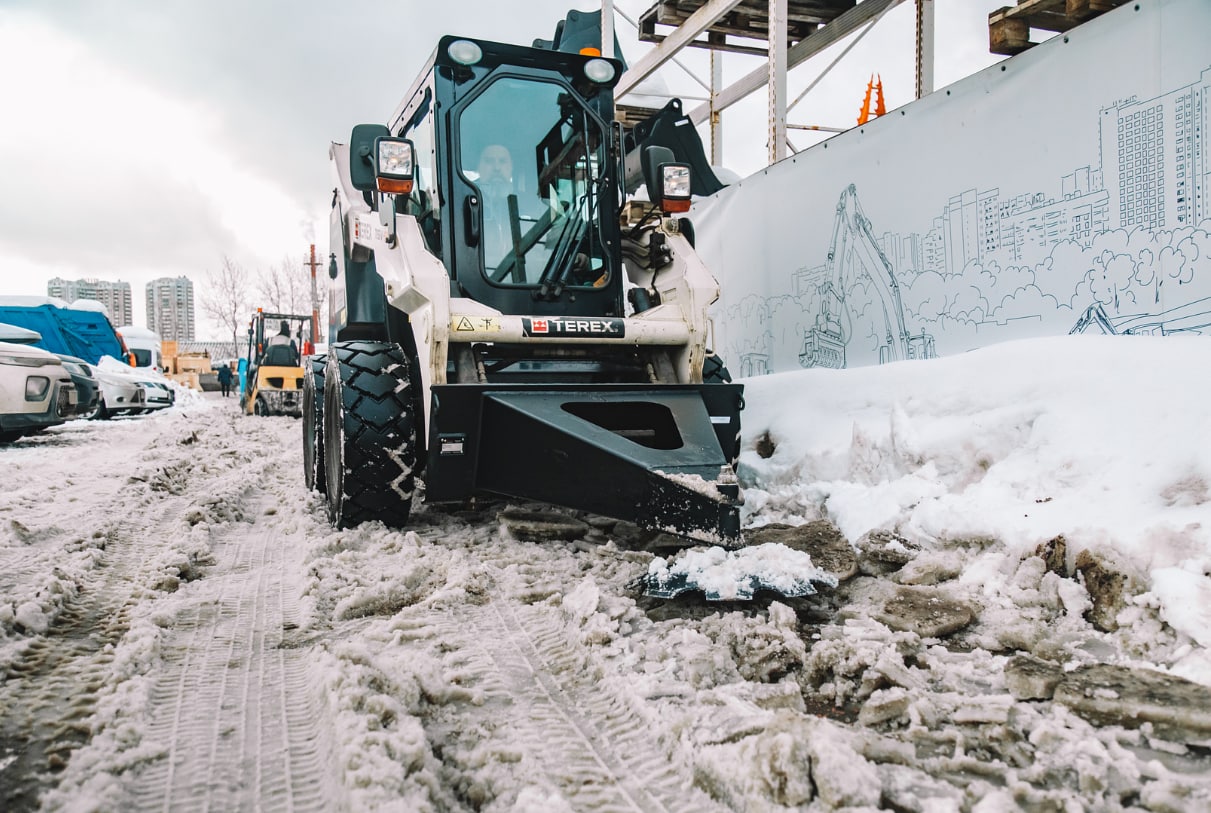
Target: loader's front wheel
(313, 425)
(369, 436)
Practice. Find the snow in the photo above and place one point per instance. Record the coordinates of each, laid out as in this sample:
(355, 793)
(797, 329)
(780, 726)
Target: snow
(1101, 439)
(244, 654)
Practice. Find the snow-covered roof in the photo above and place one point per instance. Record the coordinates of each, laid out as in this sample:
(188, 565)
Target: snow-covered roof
(36, 301)
(131, 332)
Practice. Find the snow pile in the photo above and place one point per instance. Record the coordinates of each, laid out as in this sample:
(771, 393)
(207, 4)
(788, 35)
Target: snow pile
(1100, 439)
(728, 575)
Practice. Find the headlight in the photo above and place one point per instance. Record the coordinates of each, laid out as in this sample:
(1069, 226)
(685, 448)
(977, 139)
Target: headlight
(675, 187)
(465, 52)
(27, 361)
(394, 159)
(36, 387)
(599, 70)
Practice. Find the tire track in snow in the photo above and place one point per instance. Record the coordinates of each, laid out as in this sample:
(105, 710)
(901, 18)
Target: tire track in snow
(51, 692)
(234, 710)
(588, 741)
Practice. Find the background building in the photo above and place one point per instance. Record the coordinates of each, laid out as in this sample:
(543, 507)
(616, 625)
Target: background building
(115, 296)
(170, 308)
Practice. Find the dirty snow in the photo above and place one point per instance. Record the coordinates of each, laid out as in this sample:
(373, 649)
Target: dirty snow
(181, 629)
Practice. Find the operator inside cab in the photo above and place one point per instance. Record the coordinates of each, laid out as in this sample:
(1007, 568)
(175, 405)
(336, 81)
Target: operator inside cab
(539, 184)
(280, 349)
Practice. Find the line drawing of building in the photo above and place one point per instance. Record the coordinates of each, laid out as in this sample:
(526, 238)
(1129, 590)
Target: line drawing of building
(115, 296)
(170, 309)
(1126, 234)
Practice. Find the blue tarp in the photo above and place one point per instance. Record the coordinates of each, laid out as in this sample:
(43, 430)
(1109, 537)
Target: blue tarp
(86, 334)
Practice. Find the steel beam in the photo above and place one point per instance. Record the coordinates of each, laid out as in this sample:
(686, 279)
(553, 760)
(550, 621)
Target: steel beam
(607, 28)
(716, 116)
(826, 36)
(776, 81)
(924, 47)
(697, 23)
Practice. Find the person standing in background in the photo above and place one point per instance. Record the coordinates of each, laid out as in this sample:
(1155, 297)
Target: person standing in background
(225, 379)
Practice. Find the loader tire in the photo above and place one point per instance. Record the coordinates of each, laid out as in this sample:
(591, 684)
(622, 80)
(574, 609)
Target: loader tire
(313, 425)
(369, 434)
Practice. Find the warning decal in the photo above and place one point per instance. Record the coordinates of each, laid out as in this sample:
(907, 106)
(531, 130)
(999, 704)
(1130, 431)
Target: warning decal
(472, 324)
(573, 328)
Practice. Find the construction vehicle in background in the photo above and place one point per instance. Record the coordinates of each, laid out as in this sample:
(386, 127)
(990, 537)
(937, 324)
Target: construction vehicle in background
(505, 319)
(271, 380)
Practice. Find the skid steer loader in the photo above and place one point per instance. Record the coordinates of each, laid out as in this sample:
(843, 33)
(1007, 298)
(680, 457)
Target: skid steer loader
(505, 320)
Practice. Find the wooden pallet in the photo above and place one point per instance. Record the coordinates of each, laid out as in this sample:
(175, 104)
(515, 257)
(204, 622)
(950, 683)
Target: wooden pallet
(749, 20)
(1009, 27)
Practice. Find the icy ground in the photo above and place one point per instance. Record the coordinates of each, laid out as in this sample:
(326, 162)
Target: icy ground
(1021, 536)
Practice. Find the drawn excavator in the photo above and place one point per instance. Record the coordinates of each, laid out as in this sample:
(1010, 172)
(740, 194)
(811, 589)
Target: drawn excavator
(1192, 317)
(853, 252)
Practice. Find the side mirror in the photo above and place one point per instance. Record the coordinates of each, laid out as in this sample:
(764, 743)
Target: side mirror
(361, 154)
(667, 179)
(653, 158)
(332, 269)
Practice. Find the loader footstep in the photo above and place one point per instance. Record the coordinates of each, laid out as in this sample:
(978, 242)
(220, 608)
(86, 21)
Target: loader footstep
(541, 526)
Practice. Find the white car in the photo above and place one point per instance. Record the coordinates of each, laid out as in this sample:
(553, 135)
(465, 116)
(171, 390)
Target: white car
(131, 390)
(36, 391)
(120, 394)
(157, 394)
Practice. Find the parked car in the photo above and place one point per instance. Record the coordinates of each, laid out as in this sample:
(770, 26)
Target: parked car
(88, 388)
(157, 394)
(36, 391)
(132, 390)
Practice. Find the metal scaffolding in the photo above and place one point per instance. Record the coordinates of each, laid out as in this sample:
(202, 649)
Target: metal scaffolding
(792, 31)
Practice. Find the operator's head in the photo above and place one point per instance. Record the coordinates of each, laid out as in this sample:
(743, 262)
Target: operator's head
(495, 164)
(284, 329)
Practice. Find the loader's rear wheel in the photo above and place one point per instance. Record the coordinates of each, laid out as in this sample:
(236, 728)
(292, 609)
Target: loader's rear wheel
(369, 434)
(313, 425)
(260, 407)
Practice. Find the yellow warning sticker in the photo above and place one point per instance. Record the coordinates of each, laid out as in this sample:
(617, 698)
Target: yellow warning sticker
(474, 324)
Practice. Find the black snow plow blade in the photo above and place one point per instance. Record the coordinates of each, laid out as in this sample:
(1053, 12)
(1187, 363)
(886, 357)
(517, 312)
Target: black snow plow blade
(650, 455)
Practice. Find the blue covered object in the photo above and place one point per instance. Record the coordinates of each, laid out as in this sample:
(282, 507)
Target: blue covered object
(86, 334)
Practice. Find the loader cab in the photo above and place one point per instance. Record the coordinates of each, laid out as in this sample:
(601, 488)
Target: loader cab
(517, 176)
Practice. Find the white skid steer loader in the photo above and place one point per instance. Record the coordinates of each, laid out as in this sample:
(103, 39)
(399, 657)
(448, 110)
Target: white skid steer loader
(505, 321)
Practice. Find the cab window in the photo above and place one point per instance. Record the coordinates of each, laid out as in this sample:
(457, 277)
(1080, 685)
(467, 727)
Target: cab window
(536, 154)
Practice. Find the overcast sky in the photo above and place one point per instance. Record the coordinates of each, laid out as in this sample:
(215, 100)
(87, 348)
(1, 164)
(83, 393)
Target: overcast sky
(141, 140)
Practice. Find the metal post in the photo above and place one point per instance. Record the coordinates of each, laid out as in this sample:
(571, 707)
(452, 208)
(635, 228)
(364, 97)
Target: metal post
(716, 115)
(607, 28)
(315, 301)
(924, 48)
(777, 80)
